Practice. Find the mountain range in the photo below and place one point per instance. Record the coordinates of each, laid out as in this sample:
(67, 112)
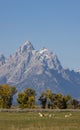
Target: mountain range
(39, 70)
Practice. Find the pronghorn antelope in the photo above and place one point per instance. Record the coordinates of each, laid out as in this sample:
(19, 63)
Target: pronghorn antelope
(46, 115)
(68, 115)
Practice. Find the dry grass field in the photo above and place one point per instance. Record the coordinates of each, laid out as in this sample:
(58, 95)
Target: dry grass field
(54, 120)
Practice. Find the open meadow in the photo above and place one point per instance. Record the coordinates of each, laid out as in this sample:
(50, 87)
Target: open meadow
(31, 120)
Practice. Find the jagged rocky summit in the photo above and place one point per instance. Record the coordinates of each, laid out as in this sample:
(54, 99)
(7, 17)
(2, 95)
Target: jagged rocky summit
(39, 70)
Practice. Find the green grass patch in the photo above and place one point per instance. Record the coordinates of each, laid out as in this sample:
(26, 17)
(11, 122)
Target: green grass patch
(32, 121)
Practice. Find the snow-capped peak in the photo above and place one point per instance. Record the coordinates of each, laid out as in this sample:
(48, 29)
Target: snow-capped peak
(27, 46)
(28, 43)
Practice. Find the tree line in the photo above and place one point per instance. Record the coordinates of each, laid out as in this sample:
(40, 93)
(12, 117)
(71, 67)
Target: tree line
(27, 99)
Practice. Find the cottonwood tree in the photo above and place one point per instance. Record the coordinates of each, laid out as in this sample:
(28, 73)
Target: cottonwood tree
(43, 100)
(26, 99)
(6, 95)
(66, 102)
(61, 101)
(46, 99)
(75, 103)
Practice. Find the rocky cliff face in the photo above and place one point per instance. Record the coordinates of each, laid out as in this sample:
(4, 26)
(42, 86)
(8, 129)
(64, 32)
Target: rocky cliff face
(2, 59)
(40, 70)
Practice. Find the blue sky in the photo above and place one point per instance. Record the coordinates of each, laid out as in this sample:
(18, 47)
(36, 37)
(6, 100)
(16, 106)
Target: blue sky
(54, 24)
